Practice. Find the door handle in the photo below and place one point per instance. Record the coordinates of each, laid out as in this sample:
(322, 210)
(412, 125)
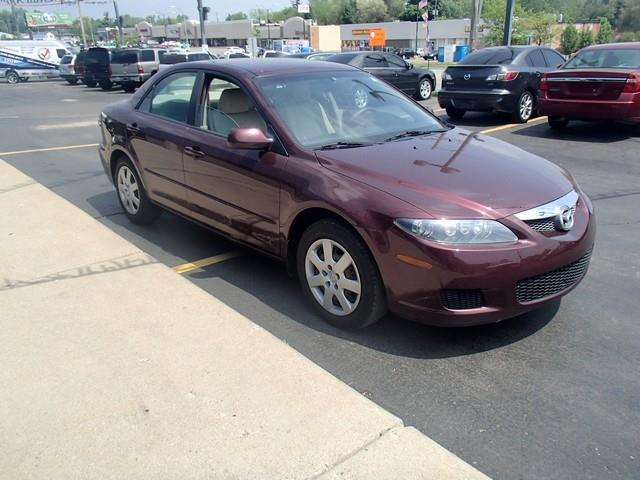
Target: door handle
(133, 129)
(194, 152)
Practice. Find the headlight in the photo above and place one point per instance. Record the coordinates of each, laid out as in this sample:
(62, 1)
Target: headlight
(458, 231)
(447, 76)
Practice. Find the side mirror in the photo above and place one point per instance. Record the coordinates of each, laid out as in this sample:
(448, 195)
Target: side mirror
(409, 65)
(248, 139)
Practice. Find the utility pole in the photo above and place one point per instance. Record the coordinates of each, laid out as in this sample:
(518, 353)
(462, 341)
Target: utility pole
(201, 14)
(508, 19)
(268, 31)
(84, 37)
(476, 12)
(119, 22)
(417, 20)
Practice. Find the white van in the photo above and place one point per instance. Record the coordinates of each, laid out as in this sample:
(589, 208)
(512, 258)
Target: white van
(21, 60)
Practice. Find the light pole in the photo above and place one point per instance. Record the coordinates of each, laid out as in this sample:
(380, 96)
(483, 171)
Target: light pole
(508, 18)
(84, 37)
(119, 22)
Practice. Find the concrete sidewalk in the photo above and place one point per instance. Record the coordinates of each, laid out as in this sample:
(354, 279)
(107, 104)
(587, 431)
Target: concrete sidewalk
(114, 367)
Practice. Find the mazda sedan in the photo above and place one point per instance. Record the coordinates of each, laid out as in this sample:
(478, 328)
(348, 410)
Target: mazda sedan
(368, 198)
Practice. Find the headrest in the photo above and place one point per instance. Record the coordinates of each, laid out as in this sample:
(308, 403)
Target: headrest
(233, 100)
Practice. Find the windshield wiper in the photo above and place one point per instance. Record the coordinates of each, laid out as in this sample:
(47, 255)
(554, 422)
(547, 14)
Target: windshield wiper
(337, 145)
(415, 133)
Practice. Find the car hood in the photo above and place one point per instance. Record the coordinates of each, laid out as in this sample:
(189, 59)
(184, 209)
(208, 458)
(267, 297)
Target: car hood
(456, 174)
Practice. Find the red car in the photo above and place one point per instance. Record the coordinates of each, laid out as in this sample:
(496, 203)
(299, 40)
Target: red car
(364, 194)
(601, 82)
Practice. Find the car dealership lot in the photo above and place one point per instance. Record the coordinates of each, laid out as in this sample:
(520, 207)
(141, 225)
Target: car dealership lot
(552, 394)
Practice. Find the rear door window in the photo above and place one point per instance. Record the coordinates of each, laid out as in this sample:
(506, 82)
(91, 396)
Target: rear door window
(147, 56)
(61, 53)
(66, 60)
(489, 56)
(125, 56)
(395, 61)
(535, 59)
(375, 61)
(554, 59)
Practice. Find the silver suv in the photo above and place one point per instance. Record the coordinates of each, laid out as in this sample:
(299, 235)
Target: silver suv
(132, 67)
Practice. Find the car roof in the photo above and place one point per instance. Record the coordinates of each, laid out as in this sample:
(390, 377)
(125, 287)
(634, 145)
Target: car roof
(275, 66)
(617, 46)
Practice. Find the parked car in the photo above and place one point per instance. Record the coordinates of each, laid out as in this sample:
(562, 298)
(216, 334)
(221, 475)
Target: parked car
(97, 68)
(497, 79)
(78, 65)
(174, 58)
(68, 69)
(313, 55)
(132, 67)
(430, 55)
(374, 206)
(419, 82)
(601, 82)
(405, 53)
(236, 54)
(272, 54)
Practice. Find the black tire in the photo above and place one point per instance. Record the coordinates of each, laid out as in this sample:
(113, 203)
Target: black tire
(558, 123)
(91, 84)
(525, 108)
(25, 79)
(147, 212)
(427, 92)
(72, 81)
(371, 304)
(12, 77)
(106, 85)
(129, 87)
(455, 113)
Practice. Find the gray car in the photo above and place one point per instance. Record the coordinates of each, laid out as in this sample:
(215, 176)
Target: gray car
(132, 67)
(67, 69)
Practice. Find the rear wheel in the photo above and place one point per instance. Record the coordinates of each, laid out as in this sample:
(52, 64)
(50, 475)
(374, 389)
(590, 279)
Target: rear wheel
(425, 89)
(106, 85)
(455, 112)
(129, 87)
(132, 196)
(525, 107)
(558, 123)
(90, 84)
(12, 77)
(339, 276)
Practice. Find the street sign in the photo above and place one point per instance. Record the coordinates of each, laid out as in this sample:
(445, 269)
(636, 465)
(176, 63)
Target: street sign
(377, 37)
(303, 8)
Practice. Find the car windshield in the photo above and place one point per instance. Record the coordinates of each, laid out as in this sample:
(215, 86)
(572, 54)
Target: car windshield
(627, 58)
(343, 109)
(490, 56)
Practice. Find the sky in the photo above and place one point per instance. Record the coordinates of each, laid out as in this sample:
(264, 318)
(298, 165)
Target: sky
(142, 8)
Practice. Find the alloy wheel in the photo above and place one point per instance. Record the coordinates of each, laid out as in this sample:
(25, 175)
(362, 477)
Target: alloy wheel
(13, 78)
(526, 106)
(425, 89)
(128, 190)
(333, 277)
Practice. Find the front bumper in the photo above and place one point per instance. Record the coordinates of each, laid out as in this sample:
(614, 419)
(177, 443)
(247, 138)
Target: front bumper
(627, 107)
(492, 272)
(478, 100)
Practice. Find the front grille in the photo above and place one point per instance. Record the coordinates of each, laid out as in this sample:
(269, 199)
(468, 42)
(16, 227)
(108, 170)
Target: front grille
(462, 299)
(547, 284)
(545, 225)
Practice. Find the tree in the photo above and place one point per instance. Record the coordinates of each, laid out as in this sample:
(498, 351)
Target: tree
(586, 38)
(493, 16)
(236, 16)
(605, 35)
(410, 13)
(569, 39)
(539, 26)
(371, 11)
(628, 37)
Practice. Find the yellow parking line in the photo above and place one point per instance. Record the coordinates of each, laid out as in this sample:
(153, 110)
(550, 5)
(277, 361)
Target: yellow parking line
(511, 125)
(50, 149)
(439, 110)
(205, 262)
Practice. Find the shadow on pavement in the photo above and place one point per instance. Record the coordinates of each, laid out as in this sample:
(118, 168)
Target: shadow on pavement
(478, 119)
(593, 132)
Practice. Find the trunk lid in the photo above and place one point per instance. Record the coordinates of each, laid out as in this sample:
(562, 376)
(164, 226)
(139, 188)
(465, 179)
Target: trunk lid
(457, 174)
(471, 77)
(586, 84)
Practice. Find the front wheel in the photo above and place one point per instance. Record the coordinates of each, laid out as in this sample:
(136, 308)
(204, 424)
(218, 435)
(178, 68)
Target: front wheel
(132, 196)
(425, 89)
(525, 107)
(106, 86)
(12, 77)
(129, 87)
(558, 123)
(339, 276)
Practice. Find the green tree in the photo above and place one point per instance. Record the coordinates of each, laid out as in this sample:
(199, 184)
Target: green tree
(586, 38)
(371, 11)
(493, 16)
(539, 26)
(569, 39)
(410, 13)
(236, 16)
(605, 35)
(628, 37)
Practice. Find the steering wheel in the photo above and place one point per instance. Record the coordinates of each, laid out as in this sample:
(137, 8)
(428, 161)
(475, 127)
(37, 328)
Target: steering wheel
(360, 116)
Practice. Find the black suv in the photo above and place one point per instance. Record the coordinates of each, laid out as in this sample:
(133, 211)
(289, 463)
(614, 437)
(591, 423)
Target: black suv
(97, 68)
(497, 79)
(419, 82)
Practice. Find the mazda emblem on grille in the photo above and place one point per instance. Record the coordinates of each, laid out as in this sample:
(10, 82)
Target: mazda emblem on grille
(467, 76)
(564, 220)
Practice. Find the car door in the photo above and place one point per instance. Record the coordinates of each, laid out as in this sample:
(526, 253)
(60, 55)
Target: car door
(406, 78)
(553, 58)
(376, 64)
(156, 137)
(538, 66)
(236, 191)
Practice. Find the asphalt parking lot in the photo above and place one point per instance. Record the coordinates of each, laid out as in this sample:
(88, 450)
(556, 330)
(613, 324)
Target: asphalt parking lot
(548, 395)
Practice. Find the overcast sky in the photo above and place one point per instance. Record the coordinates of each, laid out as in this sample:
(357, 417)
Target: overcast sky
(141, 8)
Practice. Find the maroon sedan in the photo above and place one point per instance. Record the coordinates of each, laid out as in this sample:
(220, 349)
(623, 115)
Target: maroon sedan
(371, 200)
(601, 82)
